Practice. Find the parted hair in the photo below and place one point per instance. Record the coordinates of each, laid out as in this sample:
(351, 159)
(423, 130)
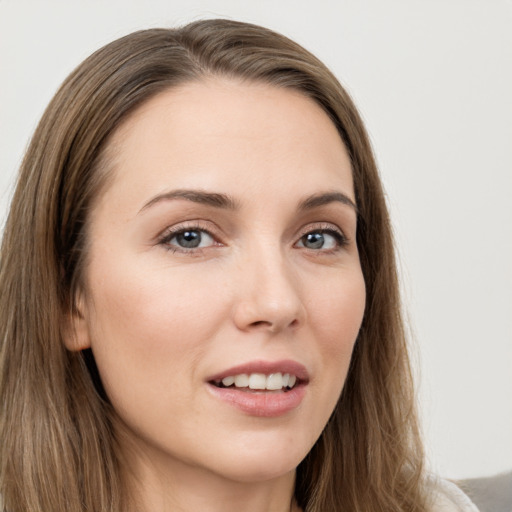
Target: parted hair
(58, 445)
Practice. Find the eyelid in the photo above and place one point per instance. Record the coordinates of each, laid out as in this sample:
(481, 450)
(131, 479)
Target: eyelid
(321, 226)
(324, 227)
(205, 226)
(190, 225)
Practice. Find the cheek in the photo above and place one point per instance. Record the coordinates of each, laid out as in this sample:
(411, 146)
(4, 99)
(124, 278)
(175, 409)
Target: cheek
(150, 322)
(337, 311)
(152, 297)
(336, 314)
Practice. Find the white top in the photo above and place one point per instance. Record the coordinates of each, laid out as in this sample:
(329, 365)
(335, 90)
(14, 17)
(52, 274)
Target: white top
(447, 497)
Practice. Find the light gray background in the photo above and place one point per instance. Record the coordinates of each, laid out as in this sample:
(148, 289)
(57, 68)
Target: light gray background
(433, 80)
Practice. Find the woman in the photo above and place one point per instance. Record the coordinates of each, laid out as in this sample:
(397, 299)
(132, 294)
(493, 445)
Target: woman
(199, 303)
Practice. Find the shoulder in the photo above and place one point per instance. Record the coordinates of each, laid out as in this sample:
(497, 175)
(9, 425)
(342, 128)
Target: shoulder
(447, 497)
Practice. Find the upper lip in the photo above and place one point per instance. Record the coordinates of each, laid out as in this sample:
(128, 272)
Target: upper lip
(266, 367)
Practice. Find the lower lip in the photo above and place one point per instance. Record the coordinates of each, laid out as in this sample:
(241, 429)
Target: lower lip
(261, 403)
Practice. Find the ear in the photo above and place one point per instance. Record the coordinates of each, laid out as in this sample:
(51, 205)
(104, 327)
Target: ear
(75, 326)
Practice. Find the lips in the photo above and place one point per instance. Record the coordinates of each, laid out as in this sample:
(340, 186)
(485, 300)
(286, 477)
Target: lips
(261, 388)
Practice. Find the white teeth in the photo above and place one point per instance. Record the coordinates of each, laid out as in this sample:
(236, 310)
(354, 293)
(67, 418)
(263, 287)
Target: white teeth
(228, 381)
(272, 382)
(275, 381)
(241, 381)
(258, 381)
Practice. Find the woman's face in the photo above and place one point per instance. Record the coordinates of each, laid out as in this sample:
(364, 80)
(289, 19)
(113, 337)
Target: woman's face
(224, 247)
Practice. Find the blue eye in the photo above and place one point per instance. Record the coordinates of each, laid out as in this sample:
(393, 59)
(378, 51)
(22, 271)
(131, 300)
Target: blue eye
(321, 239)
(189, 239)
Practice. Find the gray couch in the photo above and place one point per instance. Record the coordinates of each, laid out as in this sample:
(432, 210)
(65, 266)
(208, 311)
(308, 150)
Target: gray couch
(491, 494)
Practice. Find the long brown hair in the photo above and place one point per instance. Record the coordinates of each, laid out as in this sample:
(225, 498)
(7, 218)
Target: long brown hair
(57, 439)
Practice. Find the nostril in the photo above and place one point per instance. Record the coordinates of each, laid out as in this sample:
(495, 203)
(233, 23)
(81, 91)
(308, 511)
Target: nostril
(260, 322)
(273, 326)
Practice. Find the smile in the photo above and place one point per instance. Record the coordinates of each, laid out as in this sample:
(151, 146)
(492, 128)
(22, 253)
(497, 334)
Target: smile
(261, 388)
(259, 381)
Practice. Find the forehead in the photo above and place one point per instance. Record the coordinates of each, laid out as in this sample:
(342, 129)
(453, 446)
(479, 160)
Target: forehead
(228, 134)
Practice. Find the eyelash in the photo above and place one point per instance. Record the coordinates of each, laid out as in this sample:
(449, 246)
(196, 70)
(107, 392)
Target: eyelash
(325, 229)
(173, 232)
(340, 239)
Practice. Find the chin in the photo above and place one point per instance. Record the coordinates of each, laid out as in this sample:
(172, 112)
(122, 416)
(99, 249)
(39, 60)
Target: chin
(260, 461)
(255, 472)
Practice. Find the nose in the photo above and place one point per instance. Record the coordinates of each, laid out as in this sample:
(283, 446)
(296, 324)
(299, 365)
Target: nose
(269, 294)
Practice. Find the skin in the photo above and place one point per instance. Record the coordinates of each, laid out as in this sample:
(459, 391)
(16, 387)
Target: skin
(161, 318)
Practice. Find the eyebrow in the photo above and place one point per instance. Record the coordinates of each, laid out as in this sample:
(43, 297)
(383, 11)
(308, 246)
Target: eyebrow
(324, 198)
(225, 201)
(196, 196)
